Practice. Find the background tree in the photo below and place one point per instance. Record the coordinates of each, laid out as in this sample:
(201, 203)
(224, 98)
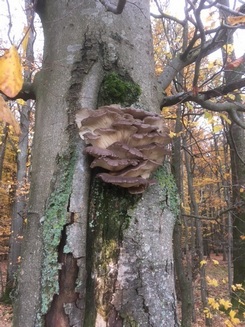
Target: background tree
(22, 183)
(198, 36)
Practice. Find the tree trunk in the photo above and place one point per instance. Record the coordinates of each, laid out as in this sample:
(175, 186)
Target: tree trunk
(236, 139)
(130, 265)
(183, 271)
(3, 147)
(20, 199)
(198, 232)
(21, 191)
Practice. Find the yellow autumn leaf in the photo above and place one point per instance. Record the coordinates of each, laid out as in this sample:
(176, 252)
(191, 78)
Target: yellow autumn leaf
(239, 287)
(213, 303)
(212, 281)
(7, 116)
(231, 97)
(207, 313)
(21, 102)
(203, 262)
(208, 115)
(241, 302)
(11, 79)
(228, 323)
(217, 128)
(172, 134)
(228, 48)
(234, 320)
(215, 262)
(225, 303)
(225, 118)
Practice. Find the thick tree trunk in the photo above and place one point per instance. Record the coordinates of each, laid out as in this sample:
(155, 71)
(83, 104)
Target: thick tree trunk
(236, 139)
(237, 151)
(83, 43)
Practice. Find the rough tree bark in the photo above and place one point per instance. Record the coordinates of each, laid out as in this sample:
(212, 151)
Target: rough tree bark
(128, 279)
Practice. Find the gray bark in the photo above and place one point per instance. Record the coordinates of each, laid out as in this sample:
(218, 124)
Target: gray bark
(82, 43)
(21, 192)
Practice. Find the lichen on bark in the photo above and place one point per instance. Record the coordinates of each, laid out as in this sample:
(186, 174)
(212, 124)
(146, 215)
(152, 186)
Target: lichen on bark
(54, 220)
(168, 188)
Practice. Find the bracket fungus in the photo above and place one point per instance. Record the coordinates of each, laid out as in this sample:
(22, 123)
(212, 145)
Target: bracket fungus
(127, 143)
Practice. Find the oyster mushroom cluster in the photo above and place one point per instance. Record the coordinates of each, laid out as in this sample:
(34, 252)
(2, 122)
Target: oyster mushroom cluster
(128, 143)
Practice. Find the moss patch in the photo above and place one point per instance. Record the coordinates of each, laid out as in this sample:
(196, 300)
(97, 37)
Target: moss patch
(119, 89)
(109, 217)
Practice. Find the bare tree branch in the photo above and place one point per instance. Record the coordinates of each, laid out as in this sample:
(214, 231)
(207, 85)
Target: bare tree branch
(163, 15)
(10, 21)
(205, 95)
(230, 107)
(117, 10)
(27, 93)
(203, 39)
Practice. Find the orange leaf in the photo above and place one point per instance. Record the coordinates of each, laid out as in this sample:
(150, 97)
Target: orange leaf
(235, 20)
(7, 116)
(236, 63)
(11, 79)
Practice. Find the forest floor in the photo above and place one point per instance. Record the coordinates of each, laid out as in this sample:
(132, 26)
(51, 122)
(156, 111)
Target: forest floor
(214, 271)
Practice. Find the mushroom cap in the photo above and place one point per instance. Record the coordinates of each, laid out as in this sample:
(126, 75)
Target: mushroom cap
(143, 169)
(99, 152)
(138, 113)
(101, 120)
(129, 143)
(122, 150)
(104, 137)
(123, 181)
(113, 164)
(141, 189)
(154, 151)
(138, 140)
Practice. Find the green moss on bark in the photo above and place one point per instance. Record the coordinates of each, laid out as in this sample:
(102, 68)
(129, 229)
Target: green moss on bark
(109, 216)
(119, 89)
